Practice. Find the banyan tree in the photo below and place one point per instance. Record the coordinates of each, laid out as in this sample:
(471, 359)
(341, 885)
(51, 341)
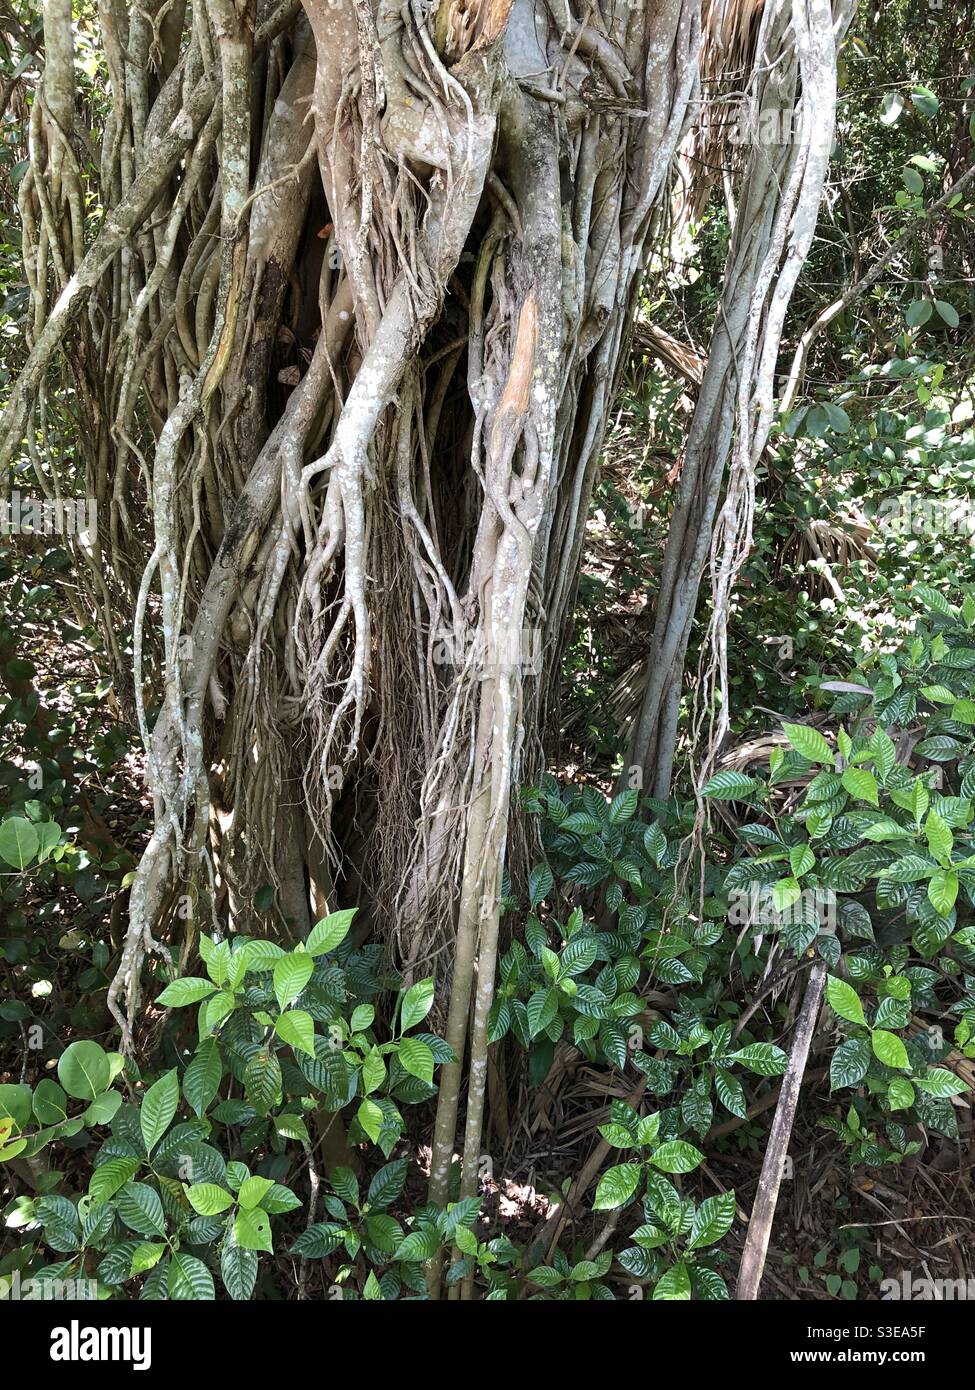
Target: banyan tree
(333, 300)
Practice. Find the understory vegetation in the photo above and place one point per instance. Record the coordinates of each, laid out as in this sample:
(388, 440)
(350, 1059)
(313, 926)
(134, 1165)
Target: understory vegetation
(487, 650)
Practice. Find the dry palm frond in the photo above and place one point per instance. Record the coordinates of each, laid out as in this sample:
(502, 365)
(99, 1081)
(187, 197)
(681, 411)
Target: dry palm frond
(828, 547)
(730, 32)
(684, 359)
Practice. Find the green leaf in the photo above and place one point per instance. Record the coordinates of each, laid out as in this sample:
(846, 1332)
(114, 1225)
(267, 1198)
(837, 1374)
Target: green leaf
(911, 868)
(943, 891)
(188, 990)
(218, 1007)
(940, 1082)
(801, 860)
(947, 312)
(623, 806)
(809, 743)
(925, 100)
(861, 784)
(252, 1192)
(708, 1286)
(888, 1048)
(416, 1058)
(109, 1176)
(891, 107)
(102, 1109)
(362, 1018)
(384, 1231)
(252, 1230)
(540, 884)
(50, 1103)
(674, 1285)
(373, 1071)
(207, 1199)
(617, 1136)
(677, 1157)
(260, 955)
(49, 836)
(146, 1256)
(939, 749)
(216, 957)
(388, 1183)
(918, 313)
(291, 973)
(189, 1279)
(297, 1029)
(140, 1208)
(262, 1080)
(884, 752)
(648, 1128)
(616, 1186)
(785, 892)
(885, 829)
(291, 1126)
(466, 1240)
(346, 1184)
(330, 932)
(844, 1000)
(729, 786)
(370, 1117)
(318, 1241)
(238, 1269)
(419, 1244)
(939, 837)
(712, 1220)
(19, 842)
(84, 1070)
(417, 1003)
(900, 1094)
(730, 1092)
(838, 419)
(16, 1103)
(654, 842)
(761, 1058)
(542, 1009)
(578, 955)
(850, 1063)
(816, 422)
(158, 1108)
(201, 1080)
(963, 711)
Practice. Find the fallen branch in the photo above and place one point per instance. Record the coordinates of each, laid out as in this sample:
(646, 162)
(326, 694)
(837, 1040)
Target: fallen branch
(763, 1209)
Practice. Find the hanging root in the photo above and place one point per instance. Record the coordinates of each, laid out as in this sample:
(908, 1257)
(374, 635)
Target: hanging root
(814, 38)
